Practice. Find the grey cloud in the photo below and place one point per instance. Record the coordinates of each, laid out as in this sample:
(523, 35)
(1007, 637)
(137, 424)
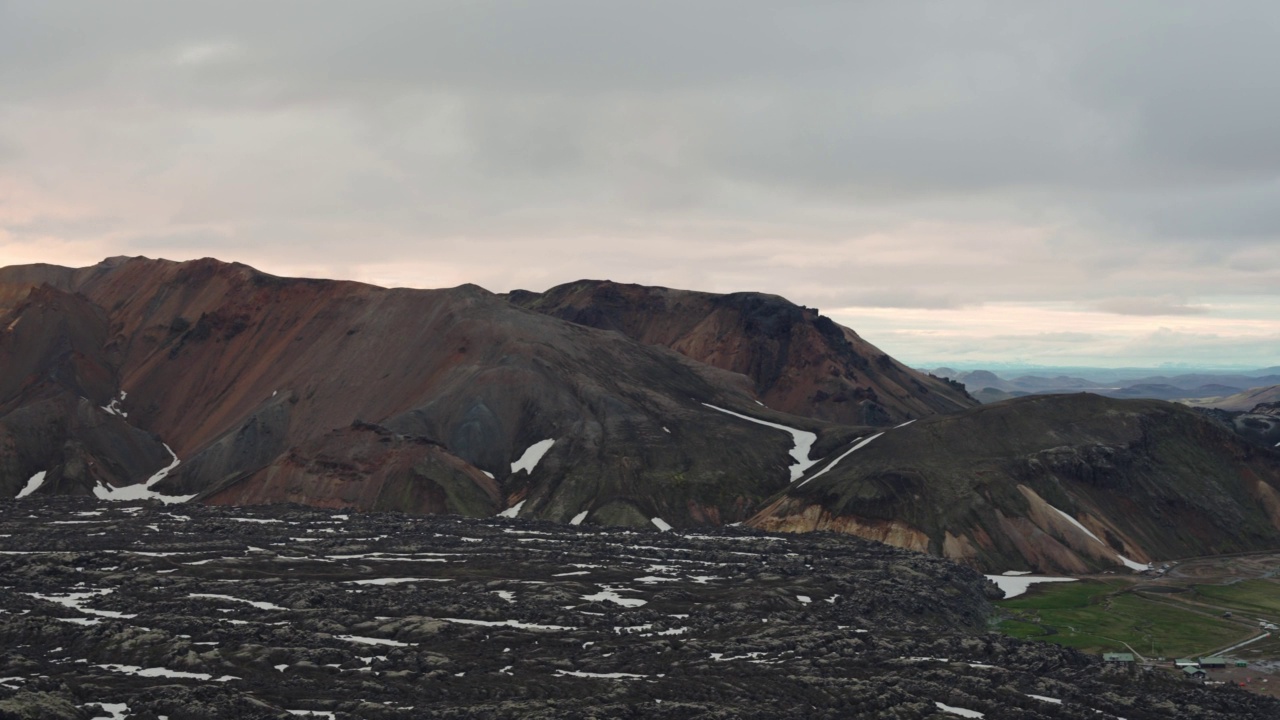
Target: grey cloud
(1149, 306)
(1089, 152)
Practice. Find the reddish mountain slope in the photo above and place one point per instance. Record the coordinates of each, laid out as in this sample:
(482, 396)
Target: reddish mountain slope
(799, 361)
(248, 376)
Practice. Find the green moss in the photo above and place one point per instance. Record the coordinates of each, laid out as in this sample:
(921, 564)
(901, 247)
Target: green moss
(1097, 616)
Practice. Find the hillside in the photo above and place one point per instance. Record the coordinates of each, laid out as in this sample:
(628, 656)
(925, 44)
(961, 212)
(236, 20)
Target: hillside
(800, 362)
(336, 393)
(1067, 483)
(211, 381)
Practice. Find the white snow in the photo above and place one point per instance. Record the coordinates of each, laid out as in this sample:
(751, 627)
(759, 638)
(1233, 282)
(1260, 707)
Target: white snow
(903, 424)
(1013, 586)
(506, 595)
(660, 524)
(846, 453)
(372, 641)
(118, 711)
(164, 673)
(1013, 573)
(1077, 523)
(143, 491)
(804, 599)
(958, 711)
(577, 519)
(33, 484)
(1131, 564)
(529, 460)
(611, 594)
(256, 603)
(395, 581)
(606, 676)
(313, 713)
(260, 521)
(506, 623)
(76, 601)
(1055, 701)
(512, 511)
(800, 451)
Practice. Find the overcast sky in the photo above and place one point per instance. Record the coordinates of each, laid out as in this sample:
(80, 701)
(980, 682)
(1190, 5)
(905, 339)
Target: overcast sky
(961, 182)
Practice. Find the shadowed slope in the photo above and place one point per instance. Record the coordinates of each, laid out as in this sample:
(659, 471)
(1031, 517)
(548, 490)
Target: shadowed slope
(1140, 479)
(799, 361)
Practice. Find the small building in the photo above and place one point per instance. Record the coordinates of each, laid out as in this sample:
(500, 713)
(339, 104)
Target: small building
(1195, 672)
(1213, 662)
(1117, 658)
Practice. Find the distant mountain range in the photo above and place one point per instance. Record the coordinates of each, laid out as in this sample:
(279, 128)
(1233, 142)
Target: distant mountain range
(593, 402)
(989, 387)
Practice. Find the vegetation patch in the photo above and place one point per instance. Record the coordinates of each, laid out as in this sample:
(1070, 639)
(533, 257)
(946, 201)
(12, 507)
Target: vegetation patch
(1095, 616)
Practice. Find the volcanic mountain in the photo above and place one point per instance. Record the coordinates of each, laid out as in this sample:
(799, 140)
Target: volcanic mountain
(338, 393)
(799, 361)
(1060, 482)
(591, 403)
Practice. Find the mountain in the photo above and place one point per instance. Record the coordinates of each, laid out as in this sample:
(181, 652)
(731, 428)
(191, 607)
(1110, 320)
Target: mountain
(342, 394)
(799, 361)
(592, 403)
(1240, 401)
(1067, 483)
(991, 387)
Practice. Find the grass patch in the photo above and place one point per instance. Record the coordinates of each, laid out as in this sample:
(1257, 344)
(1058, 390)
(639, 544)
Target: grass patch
(1249, 595)
(1096, 616)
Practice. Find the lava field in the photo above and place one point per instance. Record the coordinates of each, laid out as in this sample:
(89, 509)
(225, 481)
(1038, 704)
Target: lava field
(139, 610)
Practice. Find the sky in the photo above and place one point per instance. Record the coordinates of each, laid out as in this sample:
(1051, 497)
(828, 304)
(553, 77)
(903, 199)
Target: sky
(1082, 183)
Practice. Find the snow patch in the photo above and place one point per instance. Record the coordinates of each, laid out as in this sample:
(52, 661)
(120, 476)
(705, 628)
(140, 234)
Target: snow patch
(529, 460)
(1055, 701)
(164, 673)
(895, 427)
(143, 491)
(611, 594)
(605, 676)
(512, 511)
(958, 711)
(256, 603)
(660, 524)
(506, 623)
(116, 711)
(800, 450)
(32, 485)
(855, 448)
(1013, 586)
(372, 641)
(1131, 564)
(577, 519)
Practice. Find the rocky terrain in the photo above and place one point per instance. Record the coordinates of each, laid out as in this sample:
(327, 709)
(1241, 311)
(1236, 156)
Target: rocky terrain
(141, 610)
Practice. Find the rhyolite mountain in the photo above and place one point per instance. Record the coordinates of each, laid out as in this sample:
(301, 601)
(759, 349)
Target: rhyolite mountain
(799, 361)
(591, 403)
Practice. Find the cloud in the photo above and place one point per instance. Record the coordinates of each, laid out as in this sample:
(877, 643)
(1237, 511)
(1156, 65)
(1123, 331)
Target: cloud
(916, 155)
(1149, 306)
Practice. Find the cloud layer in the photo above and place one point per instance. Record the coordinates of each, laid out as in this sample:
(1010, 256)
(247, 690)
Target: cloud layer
(912, 168)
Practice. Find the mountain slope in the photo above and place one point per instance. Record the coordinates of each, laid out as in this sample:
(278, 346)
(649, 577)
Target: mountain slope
(1054, 483)
(799, 361)
(260, 385)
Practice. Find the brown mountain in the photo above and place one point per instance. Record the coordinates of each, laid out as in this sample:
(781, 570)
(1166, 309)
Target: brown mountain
(609, 404)
(799, 361)
(338, 393)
